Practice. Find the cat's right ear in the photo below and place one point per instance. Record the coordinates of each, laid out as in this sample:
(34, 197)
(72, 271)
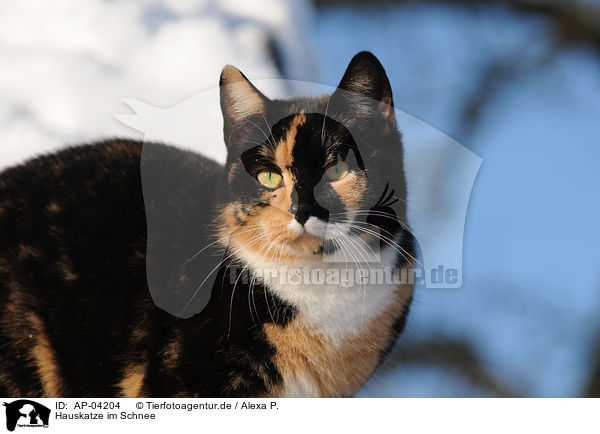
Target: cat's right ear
(240, 100)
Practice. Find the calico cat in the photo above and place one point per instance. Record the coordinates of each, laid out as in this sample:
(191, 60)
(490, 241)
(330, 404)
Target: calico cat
(99, 258)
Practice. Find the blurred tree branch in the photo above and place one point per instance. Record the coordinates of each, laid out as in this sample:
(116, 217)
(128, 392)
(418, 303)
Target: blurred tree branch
(455, 355)
(574, 22)
(592, 389)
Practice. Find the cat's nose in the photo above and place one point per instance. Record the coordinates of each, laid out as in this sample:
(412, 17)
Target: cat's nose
(306, 211)
(302, 215)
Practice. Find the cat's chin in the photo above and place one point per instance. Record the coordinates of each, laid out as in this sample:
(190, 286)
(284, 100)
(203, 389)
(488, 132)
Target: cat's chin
(304, 245)
(307, 237)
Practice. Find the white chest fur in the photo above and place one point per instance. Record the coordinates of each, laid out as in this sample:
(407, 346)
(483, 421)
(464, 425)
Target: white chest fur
(337, 299)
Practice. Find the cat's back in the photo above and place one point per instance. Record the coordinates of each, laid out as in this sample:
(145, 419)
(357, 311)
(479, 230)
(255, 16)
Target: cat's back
(49, 188)
(83, 198)
(58, 209)
(73, 263)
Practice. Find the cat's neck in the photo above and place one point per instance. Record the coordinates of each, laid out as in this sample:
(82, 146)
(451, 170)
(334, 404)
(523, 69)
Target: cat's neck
(335, 299)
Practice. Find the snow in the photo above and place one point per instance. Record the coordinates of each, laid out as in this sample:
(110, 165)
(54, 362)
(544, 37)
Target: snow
(67, 64)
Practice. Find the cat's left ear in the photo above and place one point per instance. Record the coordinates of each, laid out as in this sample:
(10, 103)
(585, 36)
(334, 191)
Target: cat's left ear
(239, 98)
(365, 82)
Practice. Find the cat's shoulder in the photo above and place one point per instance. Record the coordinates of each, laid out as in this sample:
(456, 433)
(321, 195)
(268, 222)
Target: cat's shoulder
(109, 157)
(53, 162)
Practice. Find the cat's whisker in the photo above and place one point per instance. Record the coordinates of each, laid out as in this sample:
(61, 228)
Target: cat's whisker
(363, 285)
(387, 240)
(354, 259)
(235, 252)
(267, 303)
(213, 221)
(251, 297)
(231, 301)
(258, 238)
(249, 142)
(379, 214)
(247, 228)
(265, 291)
(368, 212)
(261, 130)
(324, 118)
(353, 224)
(268, 129)
(370, 270)
(341, 247)
(391, 243)
(275, 253)
(251, 290)
(391, 235)
(200, 251)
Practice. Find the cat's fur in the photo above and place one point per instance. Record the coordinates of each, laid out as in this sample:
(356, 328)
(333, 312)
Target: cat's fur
(76, 314)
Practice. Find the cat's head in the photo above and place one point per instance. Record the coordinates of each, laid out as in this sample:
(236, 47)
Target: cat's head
(302, 174)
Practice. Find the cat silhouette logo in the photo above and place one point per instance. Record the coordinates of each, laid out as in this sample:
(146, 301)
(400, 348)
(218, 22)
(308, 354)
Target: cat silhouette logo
(182, 268)
(26, 413)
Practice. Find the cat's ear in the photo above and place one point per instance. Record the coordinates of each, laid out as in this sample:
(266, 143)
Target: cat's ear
(239, 98)
(364, 83)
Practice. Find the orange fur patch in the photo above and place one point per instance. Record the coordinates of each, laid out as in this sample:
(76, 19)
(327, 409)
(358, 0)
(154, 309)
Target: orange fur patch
(172, 352)
(351, 189)
(27, 331)
(53, 208)
(134, 373)
(67, 269)
(133, 381)
(272, 220)
(335, 370)
(26, 251)
(283, 152)
(130, 148)
(43, 356)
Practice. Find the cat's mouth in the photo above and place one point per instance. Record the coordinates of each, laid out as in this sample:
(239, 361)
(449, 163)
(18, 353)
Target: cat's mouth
(317, 229)
(303, 233)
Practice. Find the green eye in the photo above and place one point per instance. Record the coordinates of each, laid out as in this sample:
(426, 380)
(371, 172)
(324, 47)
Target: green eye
(270, 179)
(337, 171)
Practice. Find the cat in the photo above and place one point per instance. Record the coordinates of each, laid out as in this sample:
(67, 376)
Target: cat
(99, 258)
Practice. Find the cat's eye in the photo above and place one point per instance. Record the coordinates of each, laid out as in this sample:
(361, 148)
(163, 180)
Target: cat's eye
(337, 171)
(270, 179)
